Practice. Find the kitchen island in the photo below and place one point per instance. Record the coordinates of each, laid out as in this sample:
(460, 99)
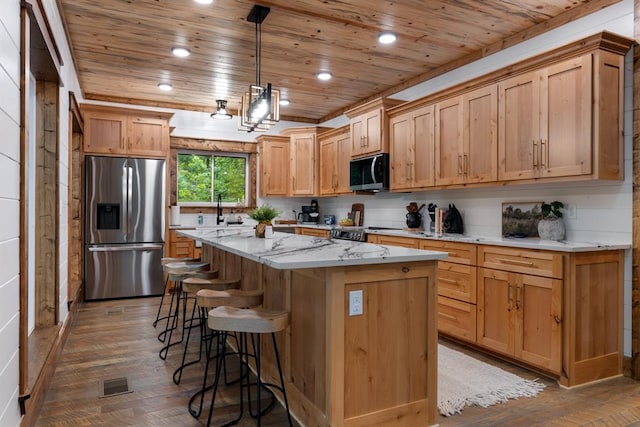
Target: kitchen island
(377, 368)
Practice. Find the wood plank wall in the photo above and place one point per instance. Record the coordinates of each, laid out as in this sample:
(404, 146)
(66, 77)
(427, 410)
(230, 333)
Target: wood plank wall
(635, 252)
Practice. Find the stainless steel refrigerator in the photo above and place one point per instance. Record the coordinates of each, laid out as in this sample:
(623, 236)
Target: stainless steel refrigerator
(124, 227)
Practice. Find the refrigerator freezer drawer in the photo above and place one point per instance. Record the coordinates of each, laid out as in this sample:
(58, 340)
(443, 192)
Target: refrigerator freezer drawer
(123, 271)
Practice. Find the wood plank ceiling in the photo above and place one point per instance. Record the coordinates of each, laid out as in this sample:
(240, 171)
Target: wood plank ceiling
(122, 48)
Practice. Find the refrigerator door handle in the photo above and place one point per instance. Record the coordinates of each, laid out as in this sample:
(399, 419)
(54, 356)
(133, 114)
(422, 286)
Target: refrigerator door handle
(129, 200)
(125, 205)
(124, 248)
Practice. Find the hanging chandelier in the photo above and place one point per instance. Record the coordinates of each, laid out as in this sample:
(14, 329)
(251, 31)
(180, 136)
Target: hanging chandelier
(260, 106)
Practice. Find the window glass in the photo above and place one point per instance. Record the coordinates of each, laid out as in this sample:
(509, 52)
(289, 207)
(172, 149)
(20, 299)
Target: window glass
(201, 177)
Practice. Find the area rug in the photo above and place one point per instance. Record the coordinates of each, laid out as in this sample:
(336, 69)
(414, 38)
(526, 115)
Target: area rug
(465, 381)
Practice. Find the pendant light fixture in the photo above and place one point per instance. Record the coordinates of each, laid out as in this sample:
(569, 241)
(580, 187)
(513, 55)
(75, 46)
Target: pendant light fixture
(260, 106)
(221, 110)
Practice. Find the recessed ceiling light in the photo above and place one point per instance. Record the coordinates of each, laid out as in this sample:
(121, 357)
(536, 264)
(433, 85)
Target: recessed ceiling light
(387, 37)
(324, 75)
(164, 86)
(204, 1)
(181, 52)
(284, 102)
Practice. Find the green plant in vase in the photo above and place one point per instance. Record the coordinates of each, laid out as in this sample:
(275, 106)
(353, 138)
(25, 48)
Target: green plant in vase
(264, 215)
(551, 226)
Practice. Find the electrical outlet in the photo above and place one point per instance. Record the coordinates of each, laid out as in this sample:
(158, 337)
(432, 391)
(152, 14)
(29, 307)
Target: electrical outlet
(572, 211)
(355, 303)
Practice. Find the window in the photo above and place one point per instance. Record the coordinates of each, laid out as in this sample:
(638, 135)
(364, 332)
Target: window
(201, 177)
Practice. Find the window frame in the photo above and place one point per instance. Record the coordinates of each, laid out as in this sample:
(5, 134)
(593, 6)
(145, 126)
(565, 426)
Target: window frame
(213, 155)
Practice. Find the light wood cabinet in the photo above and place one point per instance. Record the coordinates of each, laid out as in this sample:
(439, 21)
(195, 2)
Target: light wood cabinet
(274, 164)
(519, 315)
(560, 312)
(304, 155)
(313, 232)
(466, 137)
(368, 127)
(124, 132)
(411, 148)
(547, 119)
(335, 153)
(181, 246)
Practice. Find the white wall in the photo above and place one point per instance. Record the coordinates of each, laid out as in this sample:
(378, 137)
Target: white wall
(10, 192)
(9, 209)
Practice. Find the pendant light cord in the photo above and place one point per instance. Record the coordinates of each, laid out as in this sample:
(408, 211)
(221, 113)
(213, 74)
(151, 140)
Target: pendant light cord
(258, 52)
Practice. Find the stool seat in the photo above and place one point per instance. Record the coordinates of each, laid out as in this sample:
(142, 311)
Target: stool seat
(208, 298)
(193, 284)
(250, 320)
(186, 265)
(167, 260)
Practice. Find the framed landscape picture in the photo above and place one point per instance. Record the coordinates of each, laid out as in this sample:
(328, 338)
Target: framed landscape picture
(520, 219)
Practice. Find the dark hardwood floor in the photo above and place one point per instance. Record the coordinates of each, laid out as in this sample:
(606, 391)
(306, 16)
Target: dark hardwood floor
(114, 339)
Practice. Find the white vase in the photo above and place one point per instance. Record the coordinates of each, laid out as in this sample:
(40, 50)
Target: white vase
(551, 229)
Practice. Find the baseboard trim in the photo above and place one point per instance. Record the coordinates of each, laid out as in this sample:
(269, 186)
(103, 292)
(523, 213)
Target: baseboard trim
(32, 401)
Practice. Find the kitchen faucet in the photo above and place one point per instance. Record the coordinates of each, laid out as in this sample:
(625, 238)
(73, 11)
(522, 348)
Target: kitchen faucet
(219, 217)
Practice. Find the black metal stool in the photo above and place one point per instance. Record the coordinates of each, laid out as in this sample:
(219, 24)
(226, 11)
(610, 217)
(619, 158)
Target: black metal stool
(207, 300)
(190, 287)
(164, 261)
(255, 321)
(177, 273)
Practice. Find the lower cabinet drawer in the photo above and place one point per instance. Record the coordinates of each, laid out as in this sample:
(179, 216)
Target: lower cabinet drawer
(457, 318)
(457, 281)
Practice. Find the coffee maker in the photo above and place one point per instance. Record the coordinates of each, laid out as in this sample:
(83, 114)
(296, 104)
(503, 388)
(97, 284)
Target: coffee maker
(310, 213)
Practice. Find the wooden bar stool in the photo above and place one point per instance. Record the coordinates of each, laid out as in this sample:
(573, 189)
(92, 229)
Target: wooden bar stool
(190, 287)
(207, 300)
(177, 274)
(164, 261)
(256, 321)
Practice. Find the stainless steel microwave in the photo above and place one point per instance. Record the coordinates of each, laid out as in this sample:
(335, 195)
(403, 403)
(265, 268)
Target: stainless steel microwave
(369, 173)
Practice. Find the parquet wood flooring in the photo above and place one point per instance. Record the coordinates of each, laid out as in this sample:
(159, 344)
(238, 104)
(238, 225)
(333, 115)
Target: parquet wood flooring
(105, 342)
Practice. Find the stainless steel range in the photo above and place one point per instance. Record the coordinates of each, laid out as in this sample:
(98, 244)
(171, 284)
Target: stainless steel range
(355, 234)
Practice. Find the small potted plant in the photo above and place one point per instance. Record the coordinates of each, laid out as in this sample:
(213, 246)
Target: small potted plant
(551, 226)
(264, 215)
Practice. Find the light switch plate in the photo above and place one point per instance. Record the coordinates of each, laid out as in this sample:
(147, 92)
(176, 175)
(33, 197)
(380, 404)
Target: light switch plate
(355, 303)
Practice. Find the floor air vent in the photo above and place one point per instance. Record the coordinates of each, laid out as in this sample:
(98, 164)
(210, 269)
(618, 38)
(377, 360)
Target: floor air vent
(114, 387)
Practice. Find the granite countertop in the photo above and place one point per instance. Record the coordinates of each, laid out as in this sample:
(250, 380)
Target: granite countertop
(292, 251)
(529, 243)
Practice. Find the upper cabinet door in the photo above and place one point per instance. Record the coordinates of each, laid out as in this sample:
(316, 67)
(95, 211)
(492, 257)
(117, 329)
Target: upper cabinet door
(303, 164)
(423, 139)
(565, 125)
(518, 135)
(400, 152)
(274, 165)
(546, 122)
(480, 155)
(147, 136)
(342, 163)
(449, 150)
(105, 133)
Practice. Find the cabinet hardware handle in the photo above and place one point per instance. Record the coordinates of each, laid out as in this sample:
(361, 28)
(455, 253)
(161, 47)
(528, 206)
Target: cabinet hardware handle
(459, 164)
(406, 269)
(514, 261)
(509, 297)
(453, 253)
(535, 151)
(442, 279)
(465, 164)
(556, 318)
(518, 296)
(447, 316)
(544, 152)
